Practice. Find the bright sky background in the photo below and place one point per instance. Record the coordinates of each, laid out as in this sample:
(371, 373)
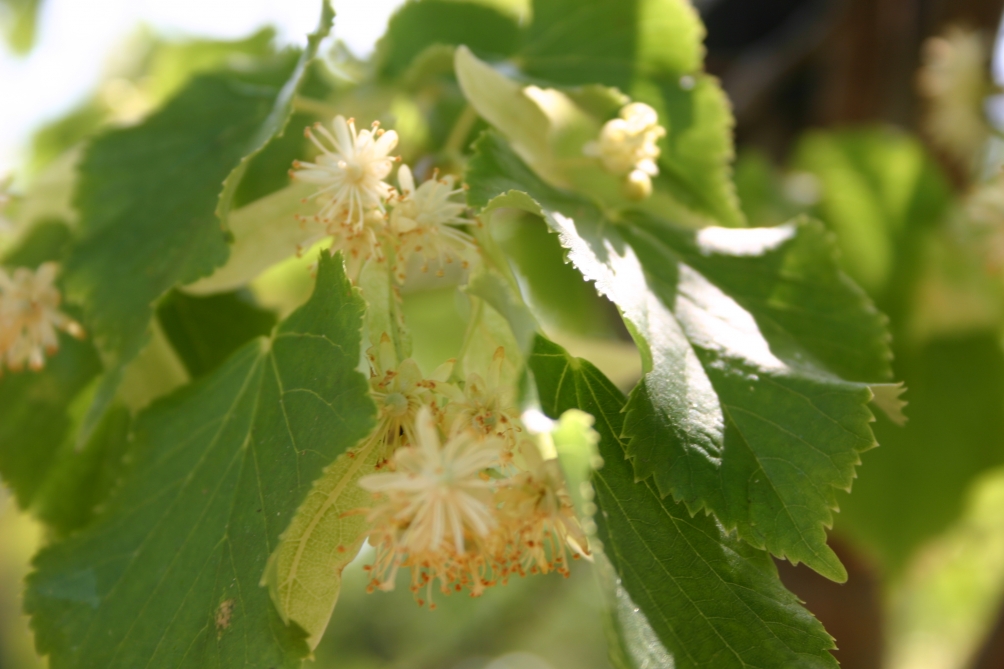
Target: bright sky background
(76, 37)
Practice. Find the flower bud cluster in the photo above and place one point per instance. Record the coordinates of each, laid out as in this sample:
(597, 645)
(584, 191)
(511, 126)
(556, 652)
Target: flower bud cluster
(628, 147)
(463, 495)
(30, 317)
(367, 218)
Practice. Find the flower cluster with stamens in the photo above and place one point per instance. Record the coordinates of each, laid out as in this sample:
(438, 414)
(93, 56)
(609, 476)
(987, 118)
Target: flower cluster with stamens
(628, 147)
(464, 499)
(30, 317)
(367, 218)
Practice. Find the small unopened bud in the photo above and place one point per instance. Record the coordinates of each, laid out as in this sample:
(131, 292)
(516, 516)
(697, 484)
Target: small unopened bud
(637, 185)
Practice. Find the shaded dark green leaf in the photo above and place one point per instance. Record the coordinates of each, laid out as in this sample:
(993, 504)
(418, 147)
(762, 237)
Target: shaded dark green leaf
(81, 479)
(44, 241)
(151, 204)
(204, 331)
(167, 575)
(34, 415)
(421, 24)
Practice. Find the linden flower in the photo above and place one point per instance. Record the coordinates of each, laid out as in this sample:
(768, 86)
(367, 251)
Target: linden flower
(351, 171)
(423, 218)
(537, 508)
(436, 508)
(486, 405)
(953, 78)
(357, 244)
(30, 316)
(401, 392)
(629, 146)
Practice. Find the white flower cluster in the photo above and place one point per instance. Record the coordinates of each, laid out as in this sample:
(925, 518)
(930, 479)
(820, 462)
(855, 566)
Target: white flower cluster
(367, 218)
(30, 317)
(984, 219)
(629, 147)
(462, 495)
(954, 80)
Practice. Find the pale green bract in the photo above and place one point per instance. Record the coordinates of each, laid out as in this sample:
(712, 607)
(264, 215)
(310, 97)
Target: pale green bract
(303, 575)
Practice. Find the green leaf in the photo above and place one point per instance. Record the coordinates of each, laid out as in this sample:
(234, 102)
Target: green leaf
(575, 42)
(147, 197)
(170, 64)
(652, 50)
(504, 298)
(278, 118)
(204, 331)
(916, 484)
(167, 575)
(150, 201)
(697, 152)
(631, 641)
(34, 415)
(419, 24)
(265, 232)
(747, 337)
(82, 479)
(711, 600)
(44, 241)
(56, 137)
(304, 574)
(554, 289)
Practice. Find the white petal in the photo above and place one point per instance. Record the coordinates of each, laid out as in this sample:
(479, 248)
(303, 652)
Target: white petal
(343, 139)
(386, 143)
(405, 179)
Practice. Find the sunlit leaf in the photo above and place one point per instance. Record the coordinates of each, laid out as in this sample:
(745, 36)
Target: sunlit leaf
(710, 599)
(754, 344)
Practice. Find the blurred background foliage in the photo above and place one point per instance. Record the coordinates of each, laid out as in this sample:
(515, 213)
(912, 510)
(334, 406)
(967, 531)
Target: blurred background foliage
(882, 118)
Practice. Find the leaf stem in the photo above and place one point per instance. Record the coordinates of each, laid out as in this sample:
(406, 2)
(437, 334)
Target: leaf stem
(454, 145)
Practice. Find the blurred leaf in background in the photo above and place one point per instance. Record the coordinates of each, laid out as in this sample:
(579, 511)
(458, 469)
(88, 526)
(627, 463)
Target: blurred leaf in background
(950, 594)
(20, 537)
(17, 21)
